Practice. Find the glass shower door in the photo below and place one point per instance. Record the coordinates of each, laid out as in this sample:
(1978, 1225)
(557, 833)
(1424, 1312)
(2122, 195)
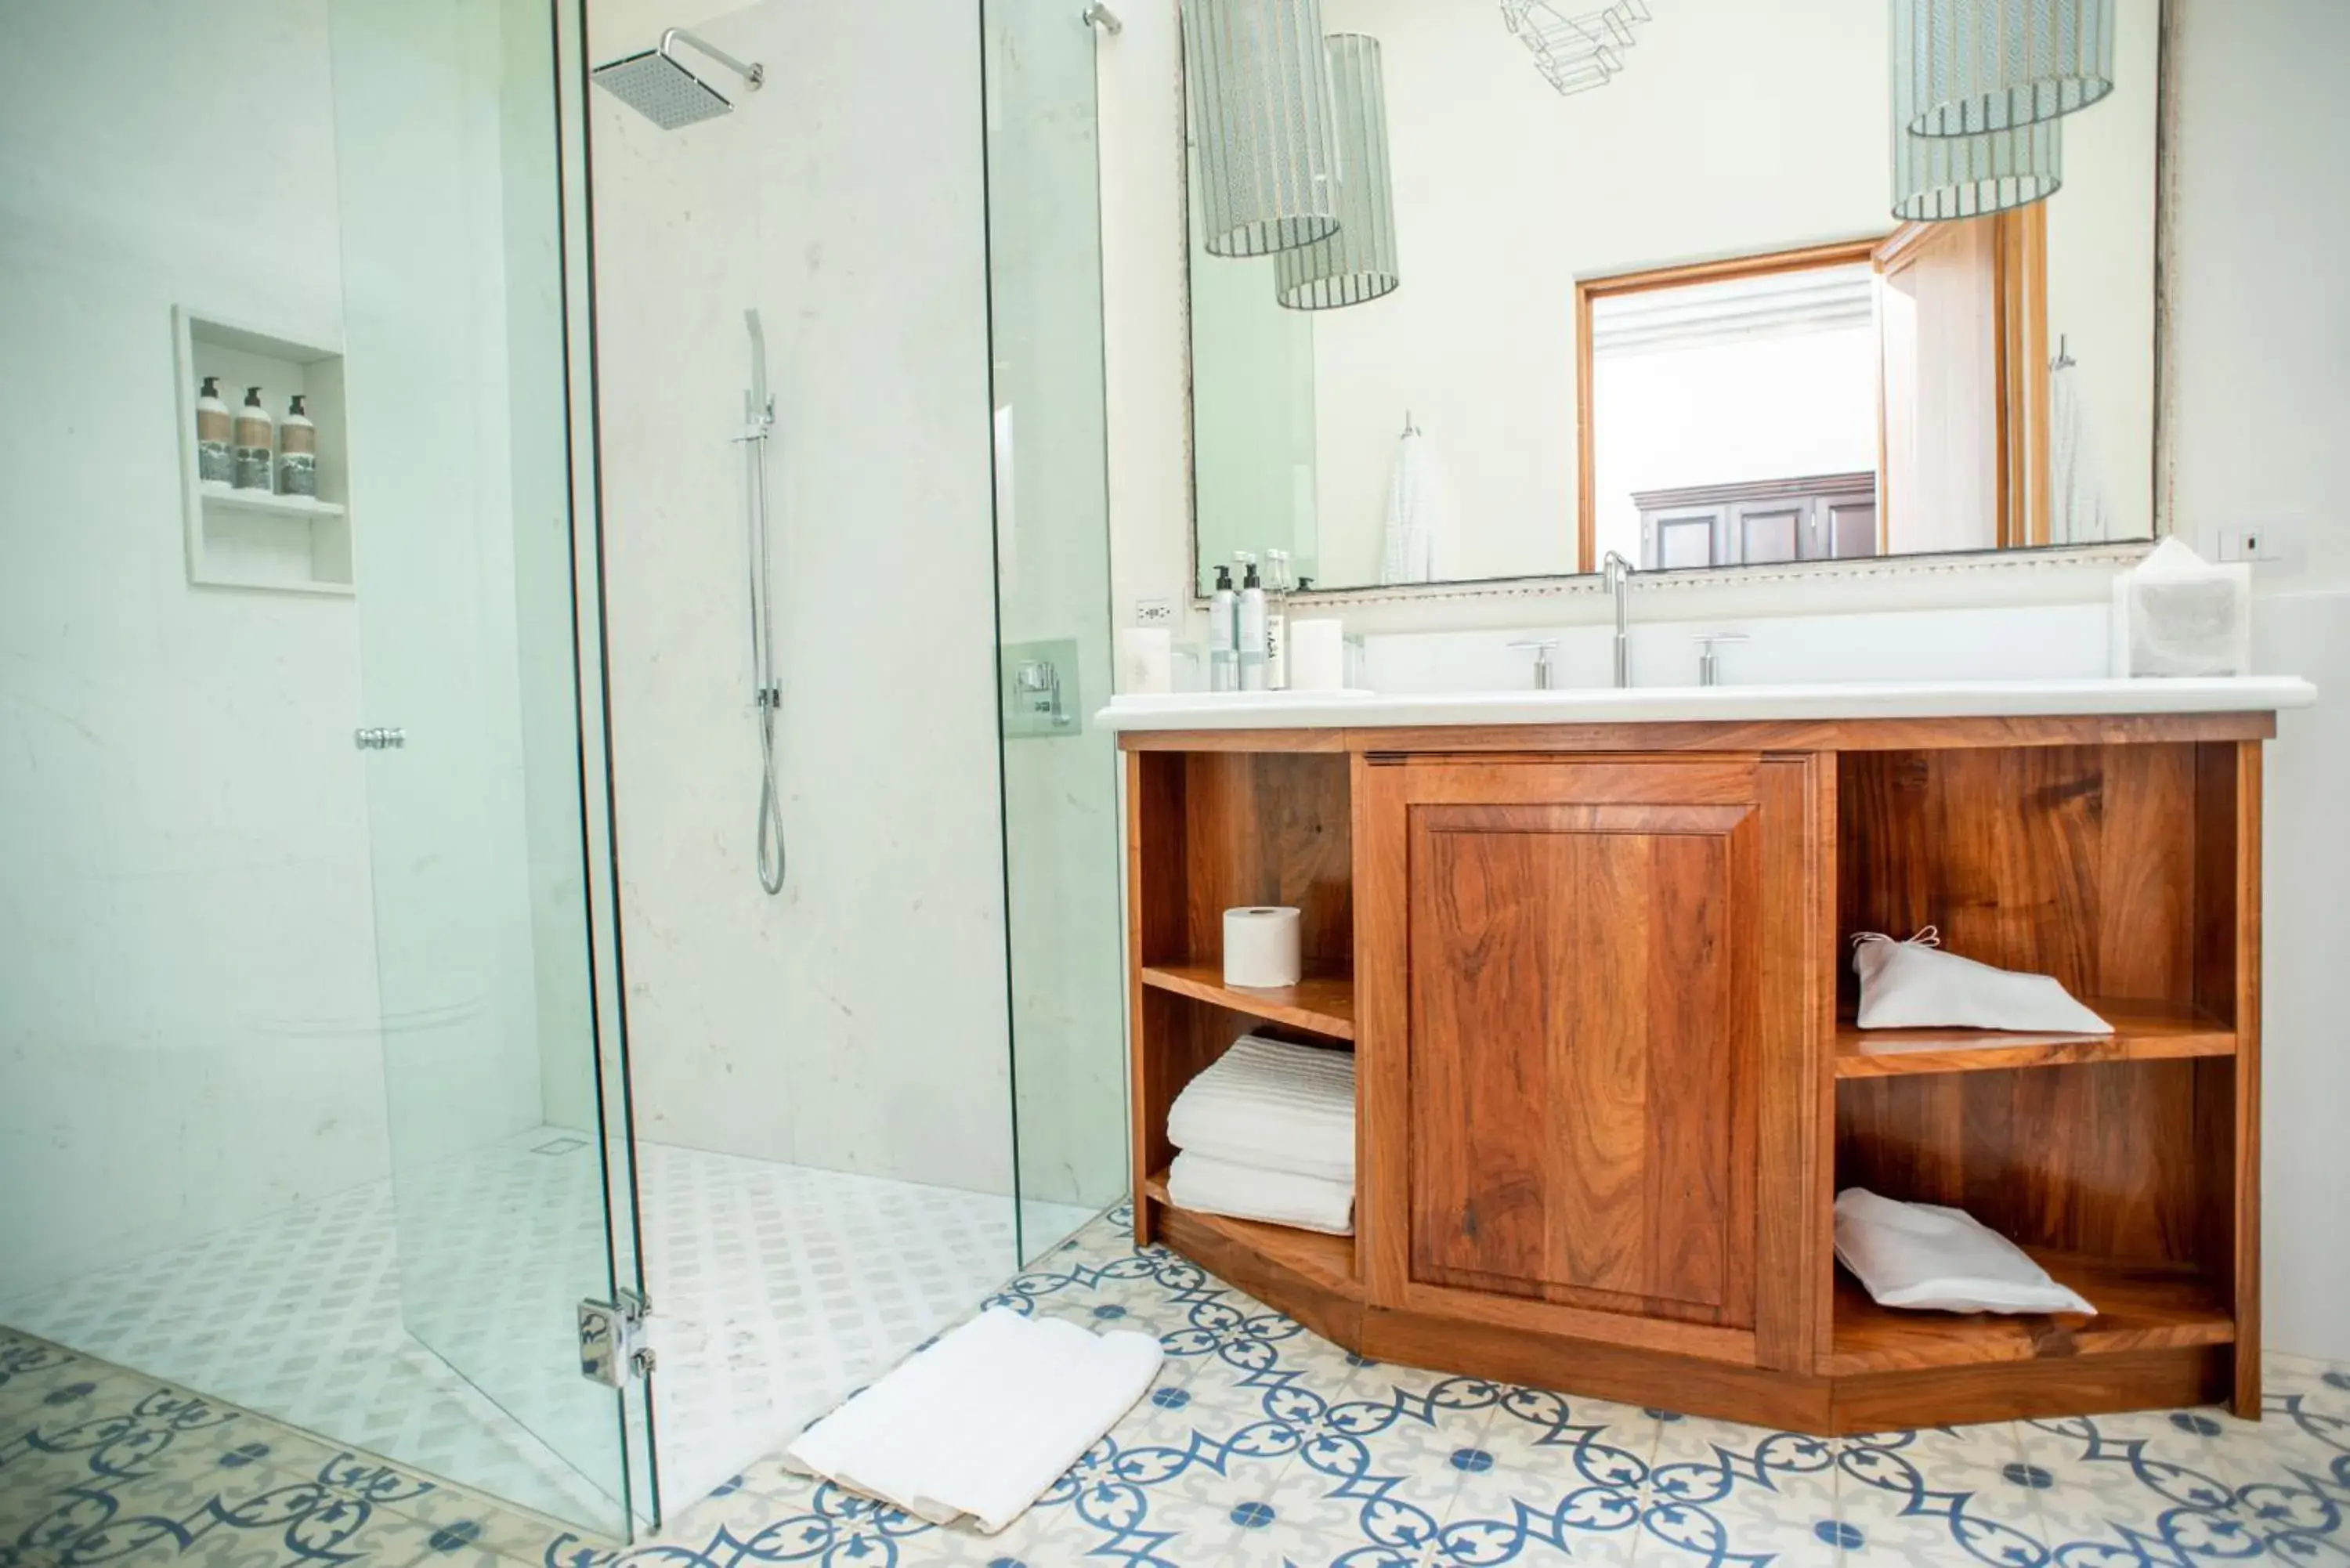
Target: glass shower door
(1052, 612)
(450, 167)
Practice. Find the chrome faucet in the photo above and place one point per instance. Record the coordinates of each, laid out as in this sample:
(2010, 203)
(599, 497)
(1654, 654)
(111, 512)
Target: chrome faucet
(1618, 571)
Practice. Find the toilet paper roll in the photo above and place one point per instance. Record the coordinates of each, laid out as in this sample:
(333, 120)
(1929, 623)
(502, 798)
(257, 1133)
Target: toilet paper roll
(1317, 655)
(1261, 947)
(1146, 660)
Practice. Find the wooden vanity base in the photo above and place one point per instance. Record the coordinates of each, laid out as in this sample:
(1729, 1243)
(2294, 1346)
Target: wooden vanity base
(1595, 982)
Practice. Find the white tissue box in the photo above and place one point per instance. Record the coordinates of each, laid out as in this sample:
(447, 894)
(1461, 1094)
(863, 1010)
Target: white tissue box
(2176, 614)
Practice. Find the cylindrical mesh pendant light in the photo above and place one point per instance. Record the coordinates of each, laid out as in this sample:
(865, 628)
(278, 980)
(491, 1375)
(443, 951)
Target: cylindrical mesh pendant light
(1937, 178)
(1358, 262)
(1990, 64)
(1261, 121)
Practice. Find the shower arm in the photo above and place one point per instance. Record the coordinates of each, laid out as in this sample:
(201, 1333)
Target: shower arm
(753, 73)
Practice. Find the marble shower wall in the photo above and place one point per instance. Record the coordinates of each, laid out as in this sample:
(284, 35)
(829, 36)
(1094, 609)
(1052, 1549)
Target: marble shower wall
(856, 1022)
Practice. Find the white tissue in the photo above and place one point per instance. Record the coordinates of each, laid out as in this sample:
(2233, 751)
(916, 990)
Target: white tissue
(1262, 947)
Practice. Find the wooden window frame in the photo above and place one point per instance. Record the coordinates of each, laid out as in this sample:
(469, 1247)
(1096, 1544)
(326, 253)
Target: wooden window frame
(2020, 341)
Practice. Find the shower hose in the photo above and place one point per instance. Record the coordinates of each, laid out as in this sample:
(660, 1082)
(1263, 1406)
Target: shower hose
(772, 856)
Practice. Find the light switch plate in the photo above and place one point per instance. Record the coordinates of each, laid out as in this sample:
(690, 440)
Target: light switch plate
(2273, 546)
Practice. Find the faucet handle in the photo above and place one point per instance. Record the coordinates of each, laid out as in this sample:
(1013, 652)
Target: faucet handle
(1543, 647)
(1709, 657)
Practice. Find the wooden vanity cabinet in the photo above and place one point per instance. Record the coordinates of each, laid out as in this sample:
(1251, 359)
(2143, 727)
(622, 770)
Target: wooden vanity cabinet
(1596, 983)
(1588, 1016)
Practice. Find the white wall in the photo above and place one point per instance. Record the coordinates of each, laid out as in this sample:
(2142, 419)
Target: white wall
(2260, 339)
(187, 977)
(421, 131)
(856, 1022)
(2260, 357)
(199, 875)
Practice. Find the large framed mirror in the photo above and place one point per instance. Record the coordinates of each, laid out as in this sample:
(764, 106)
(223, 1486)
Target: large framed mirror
(1654, 299)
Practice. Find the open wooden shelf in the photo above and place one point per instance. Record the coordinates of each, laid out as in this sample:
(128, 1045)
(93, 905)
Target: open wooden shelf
(2140, 1307)
(2143, 1032)
(1326, 1261)
(1323, 1002)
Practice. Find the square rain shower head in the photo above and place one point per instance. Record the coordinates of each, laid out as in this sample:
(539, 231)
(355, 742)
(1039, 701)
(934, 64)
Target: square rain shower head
(657, 87)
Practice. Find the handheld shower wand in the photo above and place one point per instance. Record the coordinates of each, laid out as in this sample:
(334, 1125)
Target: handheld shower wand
(758, 426)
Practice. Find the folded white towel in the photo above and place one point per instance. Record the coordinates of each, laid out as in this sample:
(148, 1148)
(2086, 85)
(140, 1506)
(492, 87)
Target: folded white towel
(1212, 1186)
(1273, 1106)
(982, 1421)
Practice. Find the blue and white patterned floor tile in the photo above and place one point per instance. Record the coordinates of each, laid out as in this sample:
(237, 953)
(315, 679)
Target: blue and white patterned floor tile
(102, 1466)
(1717, 1490)
(1261, 1446)
(1966, 1494)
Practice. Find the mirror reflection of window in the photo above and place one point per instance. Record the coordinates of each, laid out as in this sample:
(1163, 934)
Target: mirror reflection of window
(1731, 418)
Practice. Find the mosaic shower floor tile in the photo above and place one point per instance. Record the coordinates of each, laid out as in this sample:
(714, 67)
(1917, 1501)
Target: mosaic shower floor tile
(778, 1288)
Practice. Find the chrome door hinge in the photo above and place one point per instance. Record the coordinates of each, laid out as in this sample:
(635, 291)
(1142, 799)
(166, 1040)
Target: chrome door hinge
(613, 1347)
(380, 738)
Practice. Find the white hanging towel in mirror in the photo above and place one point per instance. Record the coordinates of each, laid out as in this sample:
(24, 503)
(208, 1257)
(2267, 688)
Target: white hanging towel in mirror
(1414, 515)
(1916, 985)
(2079, 500)
(1931, 1258)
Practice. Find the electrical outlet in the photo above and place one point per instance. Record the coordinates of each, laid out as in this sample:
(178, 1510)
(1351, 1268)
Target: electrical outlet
(1153, 612)
(2272, 545)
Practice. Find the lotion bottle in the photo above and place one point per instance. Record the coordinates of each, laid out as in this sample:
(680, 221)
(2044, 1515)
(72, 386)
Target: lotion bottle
(252, 448)
(1223, 674)
(214, 464)
(297, 451)
(1249, 623)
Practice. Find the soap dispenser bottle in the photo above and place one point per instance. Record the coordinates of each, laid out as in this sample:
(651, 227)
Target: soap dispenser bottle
(1223, 673)
(214, 465)
(297, 451)
(252, 450)
(1250, 623)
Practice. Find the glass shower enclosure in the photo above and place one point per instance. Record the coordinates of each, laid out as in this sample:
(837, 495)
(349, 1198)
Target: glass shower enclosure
(862, 1098)
(385, 971)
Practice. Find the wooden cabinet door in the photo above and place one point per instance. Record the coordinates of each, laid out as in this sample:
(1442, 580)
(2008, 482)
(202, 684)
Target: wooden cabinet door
(1601, 1001)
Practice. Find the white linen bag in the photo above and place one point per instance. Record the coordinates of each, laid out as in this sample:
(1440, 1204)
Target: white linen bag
(1932, 1258)
(1916, 985)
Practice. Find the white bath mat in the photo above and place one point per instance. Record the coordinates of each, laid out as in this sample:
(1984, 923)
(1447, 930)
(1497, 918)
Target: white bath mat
(984, 1420)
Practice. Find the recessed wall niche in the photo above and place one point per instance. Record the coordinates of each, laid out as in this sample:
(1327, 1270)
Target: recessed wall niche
(257, 539)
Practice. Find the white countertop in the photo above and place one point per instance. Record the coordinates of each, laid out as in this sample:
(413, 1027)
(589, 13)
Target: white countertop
(1651, 705)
